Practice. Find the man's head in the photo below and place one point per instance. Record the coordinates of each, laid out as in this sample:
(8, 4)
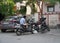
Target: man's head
(24, 16)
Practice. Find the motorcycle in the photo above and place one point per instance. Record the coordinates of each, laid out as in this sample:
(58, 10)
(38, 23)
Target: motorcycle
(24, 29)
(44, 26)
(33, 26)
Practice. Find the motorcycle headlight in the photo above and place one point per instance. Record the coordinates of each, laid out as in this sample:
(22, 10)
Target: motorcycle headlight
(33, 25)
(39, 25)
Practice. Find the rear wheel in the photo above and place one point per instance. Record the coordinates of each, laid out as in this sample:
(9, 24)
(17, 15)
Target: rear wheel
(48, 29)
(42, 29)
(32, 32)
(3, 30)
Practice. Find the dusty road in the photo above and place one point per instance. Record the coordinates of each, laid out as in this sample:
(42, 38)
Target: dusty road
(50, 37)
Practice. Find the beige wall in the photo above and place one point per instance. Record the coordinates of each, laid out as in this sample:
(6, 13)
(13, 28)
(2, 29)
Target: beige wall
(57, 8)
(53, 18)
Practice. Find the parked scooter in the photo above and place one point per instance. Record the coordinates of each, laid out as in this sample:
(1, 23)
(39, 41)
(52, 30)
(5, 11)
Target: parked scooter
(31, 27)
(43, 25)
(24, 29)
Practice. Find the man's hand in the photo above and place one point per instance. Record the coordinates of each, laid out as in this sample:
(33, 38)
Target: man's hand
(26, 24)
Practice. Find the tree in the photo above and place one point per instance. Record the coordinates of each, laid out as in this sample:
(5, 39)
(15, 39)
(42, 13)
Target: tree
(23, 10)
(6, 7)
(32, 3)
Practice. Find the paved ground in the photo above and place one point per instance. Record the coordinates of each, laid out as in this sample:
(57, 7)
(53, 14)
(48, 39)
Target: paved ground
(49, 37)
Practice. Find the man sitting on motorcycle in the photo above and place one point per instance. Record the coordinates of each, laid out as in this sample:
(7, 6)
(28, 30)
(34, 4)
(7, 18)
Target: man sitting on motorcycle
(23, 22)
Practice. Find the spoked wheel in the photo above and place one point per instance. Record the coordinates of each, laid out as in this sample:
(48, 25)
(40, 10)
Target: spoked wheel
(42, 30)
(48, 29)
(32, 31)
(18, 33)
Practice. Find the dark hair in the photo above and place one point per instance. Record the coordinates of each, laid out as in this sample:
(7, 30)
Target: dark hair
(24, 16)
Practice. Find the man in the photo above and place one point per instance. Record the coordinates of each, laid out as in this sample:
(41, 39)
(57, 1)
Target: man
(23, 20)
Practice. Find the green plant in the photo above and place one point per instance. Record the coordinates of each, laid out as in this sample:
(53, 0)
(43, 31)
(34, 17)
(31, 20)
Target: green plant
(23, 10)
(6, 7)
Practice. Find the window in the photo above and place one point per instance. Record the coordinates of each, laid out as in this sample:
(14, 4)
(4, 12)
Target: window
(50, 9)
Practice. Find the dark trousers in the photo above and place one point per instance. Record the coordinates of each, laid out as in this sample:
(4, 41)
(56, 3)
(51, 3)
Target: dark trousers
(23, 27)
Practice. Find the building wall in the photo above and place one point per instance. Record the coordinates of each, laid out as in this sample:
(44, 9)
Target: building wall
(57, 8)
(52, 17)
(52, 20)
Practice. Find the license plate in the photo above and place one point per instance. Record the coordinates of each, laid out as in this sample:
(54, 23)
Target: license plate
(5, 23)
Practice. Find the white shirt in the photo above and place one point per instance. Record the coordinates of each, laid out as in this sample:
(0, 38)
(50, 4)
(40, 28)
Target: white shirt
(22, 21)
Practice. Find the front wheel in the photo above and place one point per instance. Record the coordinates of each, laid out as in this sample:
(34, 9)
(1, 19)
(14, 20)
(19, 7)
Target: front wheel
(48, 29)
(18, 33)
(32, 31)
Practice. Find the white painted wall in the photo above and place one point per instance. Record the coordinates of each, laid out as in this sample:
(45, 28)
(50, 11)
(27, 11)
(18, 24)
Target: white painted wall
(57, 8)
(36, 17)
(53, 19)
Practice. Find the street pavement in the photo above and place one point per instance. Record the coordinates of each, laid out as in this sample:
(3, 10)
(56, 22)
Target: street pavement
(49, 37)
